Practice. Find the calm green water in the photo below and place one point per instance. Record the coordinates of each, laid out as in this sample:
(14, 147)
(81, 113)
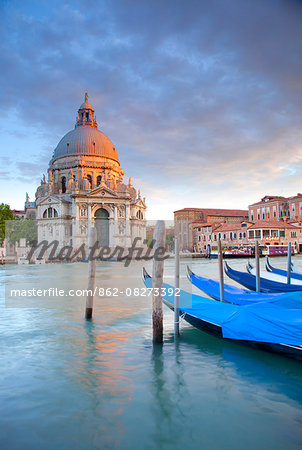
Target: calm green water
(69, 384)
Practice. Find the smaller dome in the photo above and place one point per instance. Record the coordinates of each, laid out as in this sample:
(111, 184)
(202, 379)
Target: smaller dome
(86, 105)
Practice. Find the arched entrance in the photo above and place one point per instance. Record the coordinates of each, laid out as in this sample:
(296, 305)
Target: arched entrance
(101, 218)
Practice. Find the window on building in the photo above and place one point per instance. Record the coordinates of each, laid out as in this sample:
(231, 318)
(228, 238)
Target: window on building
(224, 236)
(235, 235)
(139, 215)
(49, 213)
(215, 237)
(89, 181)
(252, 217)
(293, 234)
(244, 235)
(87, 116)
(63, 185)
(275, 214)
(231, 235)
(282, 233)
(199, 238)
(98, 180)
(258, 216)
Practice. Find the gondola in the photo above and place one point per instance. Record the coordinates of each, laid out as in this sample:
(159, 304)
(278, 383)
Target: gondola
(266, 327)
(296, 269)
(272, 276)
(282, 272)
(240, 296)
(248, 280)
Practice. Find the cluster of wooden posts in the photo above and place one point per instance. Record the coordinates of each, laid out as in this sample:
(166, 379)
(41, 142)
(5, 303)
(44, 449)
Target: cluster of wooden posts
(159, 237)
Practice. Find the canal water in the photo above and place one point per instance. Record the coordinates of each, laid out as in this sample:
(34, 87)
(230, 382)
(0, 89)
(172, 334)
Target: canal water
(66, 383)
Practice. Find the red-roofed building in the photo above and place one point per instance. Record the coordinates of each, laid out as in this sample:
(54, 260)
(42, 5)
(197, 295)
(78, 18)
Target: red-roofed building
(276, 208)
(228, 233)
(266, 232)
(184, 218)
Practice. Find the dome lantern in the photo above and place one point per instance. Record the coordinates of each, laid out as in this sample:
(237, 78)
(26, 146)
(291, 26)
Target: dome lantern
(86, 115)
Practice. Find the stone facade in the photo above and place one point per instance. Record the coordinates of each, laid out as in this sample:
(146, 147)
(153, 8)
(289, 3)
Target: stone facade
(275, 207)
(184, 218)
(246, 233)
(84, 188)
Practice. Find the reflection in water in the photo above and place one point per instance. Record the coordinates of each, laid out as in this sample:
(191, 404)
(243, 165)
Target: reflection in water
(168, 390)
(99, 369)
(163, 405)
(101, 384)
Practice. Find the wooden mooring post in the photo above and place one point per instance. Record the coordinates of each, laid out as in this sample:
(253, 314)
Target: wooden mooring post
(289, 261)
(220, 265)
(257, 266)
(159, 237)
(176, 287)
(91, 276)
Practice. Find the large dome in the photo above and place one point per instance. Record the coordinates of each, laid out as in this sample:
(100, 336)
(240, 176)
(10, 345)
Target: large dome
(85, 140)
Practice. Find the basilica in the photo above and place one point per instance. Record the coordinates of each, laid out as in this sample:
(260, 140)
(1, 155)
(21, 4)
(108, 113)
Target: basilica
(85, 187)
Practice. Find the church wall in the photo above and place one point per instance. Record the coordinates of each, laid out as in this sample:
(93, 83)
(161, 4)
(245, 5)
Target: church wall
(75, 208)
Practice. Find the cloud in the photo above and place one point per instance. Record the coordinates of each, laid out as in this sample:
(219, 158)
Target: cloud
(203, 94)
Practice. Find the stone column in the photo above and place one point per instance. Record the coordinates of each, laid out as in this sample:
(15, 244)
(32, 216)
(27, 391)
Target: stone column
(112, 239)
(127, 218)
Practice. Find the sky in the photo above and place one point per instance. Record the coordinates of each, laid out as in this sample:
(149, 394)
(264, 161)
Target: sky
(202, 99)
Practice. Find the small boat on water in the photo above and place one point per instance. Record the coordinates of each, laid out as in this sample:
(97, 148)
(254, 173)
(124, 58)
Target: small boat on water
(296, 269)
(248, 280)
(231, 251)
(268, 327)
(240, 296)
(282, 272)
(272, 276)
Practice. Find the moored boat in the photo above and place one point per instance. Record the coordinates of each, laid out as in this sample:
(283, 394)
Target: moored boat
(240, 296)
(268, 275)
(248, 280)
(267, 327)
(296, 269)
(282, 272)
